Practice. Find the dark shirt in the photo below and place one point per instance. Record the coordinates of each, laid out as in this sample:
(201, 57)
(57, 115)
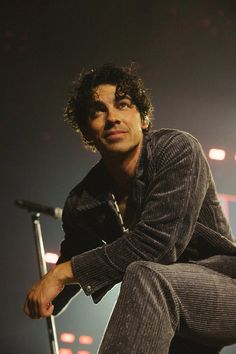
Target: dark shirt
(178, 217)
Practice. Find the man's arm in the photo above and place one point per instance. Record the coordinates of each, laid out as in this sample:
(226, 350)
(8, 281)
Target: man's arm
(39, 299)
(63, 285)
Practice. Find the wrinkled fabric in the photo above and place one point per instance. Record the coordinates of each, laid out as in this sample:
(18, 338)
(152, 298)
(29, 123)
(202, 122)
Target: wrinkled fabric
(176, 208)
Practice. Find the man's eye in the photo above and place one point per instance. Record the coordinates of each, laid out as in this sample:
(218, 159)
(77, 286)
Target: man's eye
(96, 111)
(124, 104)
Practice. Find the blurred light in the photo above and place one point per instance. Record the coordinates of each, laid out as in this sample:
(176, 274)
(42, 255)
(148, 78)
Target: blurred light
(225, 200)
(83, 352)
(67, 337)
(227, 197)
(216, 154)
(51, 257)
(235, 156)
(85, 340)
(65, 351)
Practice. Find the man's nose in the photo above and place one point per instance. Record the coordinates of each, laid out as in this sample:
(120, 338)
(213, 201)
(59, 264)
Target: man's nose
(113, 115)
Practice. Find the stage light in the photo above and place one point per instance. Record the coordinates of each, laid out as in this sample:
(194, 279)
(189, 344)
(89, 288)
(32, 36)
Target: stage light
(51, 257)
(67, 337)
(85, 340)
(65, 351)
(216, 154)
(83, 352)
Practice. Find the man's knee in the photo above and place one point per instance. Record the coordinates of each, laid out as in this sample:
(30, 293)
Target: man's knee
(150, 283)
(151, 277)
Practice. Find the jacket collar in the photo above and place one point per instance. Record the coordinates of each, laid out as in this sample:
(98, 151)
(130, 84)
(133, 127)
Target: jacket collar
(95, 189)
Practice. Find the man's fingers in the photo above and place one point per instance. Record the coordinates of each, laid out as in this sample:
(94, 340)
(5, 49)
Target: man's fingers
(36, 310)
(50, 309)
(39, 298)
(31, 308)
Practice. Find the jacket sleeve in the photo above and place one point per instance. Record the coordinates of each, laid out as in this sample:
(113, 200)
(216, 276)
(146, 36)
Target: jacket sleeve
(174, 196)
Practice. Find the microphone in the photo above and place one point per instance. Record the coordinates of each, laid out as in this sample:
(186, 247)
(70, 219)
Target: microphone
(38, 208)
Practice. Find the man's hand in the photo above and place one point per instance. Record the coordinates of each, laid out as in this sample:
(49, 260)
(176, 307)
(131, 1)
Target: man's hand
(39, 299)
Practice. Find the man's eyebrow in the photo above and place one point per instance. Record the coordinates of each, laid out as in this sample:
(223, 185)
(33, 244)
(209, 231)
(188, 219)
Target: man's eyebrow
(120, 97)
(96, 104)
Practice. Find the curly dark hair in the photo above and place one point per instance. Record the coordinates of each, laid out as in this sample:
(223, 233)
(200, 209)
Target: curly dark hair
(125, 79)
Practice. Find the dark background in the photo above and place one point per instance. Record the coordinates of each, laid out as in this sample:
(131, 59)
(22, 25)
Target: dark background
(186, 53)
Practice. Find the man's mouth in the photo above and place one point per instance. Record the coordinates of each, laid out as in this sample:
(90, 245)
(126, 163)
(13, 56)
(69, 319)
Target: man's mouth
(114, 133)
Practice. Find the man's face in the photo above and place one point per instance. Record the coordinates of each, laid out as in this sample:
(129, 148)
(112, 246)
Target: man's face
(115, 124)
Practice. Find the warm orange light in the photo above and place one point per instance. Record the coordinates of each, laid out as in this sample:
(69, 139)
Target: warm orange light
(85, 340)
(83, 352)
(217, 154)
(51, 257)
(67, 337)
(65, 351)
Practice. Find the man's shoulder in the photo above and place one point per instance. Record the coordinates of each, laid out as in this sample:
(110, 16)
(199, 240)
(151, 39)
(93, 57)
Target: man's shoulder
(167, 138)
(164, 134)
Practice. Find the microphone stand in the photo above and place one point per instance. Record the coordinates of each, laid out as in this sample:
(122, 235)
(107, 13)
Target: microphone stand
(43, 270)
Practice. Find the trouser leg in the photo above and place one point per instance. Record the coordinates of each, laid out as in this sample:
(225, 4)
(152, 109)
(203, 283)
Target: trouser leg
(157, 302)
(137, 314)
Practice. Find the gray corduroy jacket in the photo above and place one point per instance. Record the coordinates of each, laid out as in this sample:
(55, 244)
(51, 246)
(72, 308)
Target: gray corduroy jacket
(176, 208)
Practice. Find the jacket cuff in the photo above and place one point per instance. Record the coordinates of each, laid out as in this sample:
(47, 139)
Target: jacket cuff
(94, 273)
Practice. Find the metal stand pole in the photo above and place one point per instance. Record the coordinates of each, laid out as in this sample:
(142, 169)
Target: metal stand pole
(43, 270)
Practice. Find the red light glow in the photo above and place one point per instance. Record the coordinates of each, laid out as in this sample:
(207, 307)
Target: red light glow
(226, 199)
(65, 351)
(83, 352)
(85, 340)
(67, 337)
(51, 257)
(217, 154)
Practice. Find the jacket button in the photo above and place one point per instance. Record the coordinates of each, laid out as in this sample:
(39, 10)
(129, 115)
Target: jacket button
(89, 289)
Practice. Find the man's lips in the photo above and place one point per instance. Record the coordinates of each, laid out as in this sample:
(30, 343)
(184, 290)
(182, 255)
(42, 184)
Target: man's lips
(114, 132)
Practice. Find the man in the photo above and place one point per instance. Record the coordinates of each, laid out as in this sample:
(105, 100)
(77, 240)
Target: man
(146, 215)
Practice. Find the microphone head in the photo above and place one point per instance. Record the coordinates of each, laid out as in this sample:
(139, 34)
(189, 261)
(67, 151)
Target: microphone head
(58, 213)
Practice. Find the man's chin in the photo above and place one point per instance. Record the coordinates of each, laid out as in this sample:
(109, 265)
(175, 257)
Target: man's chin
(116, 150)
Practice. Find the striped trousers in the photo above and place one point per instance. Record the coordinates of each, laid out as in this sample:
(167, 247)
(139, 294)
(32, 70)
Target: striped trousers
(183, 308)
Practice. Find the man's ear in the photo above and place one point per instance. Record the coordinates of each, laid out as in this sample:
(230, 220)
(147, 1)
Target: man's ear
(145, 123)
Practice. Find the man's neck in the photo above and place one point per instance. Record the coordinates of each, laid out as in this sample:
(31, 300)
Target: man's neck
(122, 169)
